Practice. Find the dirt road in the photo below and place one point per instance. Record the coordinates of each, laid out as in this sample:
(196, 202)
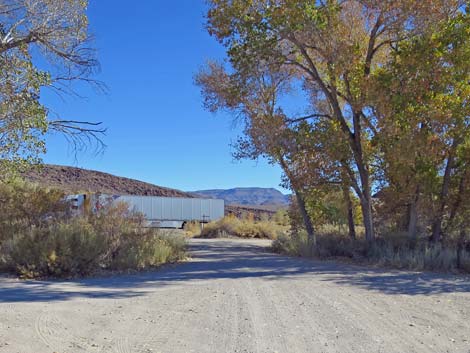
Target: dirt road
(233, 296)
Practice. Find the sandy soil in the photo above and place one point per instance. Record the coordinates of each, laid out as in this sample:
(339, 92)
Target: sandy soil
(233, 296)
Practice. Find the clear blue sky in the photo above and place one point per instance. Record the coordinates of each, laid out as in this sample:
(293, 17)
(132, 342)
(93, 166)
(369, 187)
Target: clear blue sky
(158, 130)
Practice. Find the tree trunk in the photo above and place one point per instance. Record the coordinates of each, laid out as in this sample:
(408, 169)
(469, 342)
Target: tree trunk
(349, 206)
(366, 201)
(437, 225)
(307, 221)
(460, 247)
(413, 215)
(367, 217)
(300, 202)
(412, 220)
(458, 200)
(364, 194)
(366, 197)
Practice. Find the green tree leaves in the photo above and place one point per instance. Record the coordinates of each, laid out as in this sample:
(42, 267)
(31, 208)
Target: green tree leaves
(387, 84)
(54, 32)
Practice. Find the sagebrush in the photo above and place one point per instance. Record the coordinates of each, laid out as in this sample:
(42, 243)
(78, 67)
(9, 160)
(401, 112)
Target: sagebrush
(40, 237)
(243, 228)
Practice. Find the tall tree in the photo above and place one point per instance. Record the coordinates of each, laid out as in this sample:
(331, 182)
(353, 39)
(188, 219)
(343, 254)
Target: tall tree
(424, 117)
(253, 96)
(54, 33)
(334, 47)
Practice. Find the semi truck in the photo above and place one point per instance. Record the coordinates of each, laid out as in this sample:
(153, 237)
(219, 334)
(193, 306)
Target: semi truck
(159, 212)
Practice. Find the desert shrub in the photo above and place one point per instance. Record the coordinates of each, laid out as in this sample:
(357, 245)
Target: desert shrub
(281, 217)
(328, 246)
(395, 251)
(50, 242)
(24, 205)
(222, 228)
(192, 229)
(286, 244)
(77, 248)
(117, 223)
(149, 249)
(421, 256)
(244, 228)
(61, 249)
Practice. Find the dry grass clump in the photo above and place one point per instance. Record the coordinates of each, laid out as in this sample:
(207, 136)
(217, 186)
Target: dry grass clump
(421, 255)
(42, 239)
(243, 228)
(395, 251)
(192, 229)
(148, 249)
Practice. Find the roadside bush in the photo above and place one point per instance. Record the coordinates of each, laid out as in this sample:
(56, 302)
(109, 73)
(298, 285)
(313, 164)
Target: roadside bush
(291, 245)
(224, 227)
(62, 249)
(49, 242)
(192, 229)
(117, 224)
(243, 228)
(392, 251)
(24, 205)
(281, 217)
(149, 249)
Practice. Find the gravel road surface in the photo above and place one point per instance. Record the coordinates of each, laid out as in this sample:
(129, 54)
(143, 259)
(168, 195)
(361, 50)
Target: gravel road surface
(234, 296)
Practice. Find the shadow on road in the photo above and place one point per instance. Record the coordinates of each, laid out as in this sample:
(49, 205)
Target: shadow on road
(225, 259)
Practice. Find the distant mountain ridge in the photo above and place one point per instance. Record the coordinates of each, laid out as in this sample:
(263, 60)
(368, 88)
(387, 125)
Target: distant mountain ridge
(253, 196)
(257, 201)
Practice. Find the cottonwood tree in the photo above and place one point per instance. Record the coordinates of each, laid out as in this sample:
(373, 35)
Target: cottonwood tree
(424, 120)
(253, 97)
(55, 34)
(321, 170)
(270, 131)
(334, 47)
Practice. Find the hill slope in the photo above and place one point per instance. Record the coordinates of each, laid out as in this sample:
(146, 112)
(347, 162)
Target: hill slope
(247, 196)
(73, 179)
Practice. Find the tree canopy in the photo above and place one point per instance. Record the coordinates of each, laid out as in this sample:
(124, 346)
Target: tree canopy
(387, 91)
(43, 44)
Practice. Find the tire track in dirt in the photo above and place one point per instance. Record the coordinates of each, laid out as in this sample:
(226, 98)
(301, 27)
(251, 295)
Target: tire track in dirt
(123, 346)
(55, 335)
(269, 324)
(313, 318)
(232, 298)
(351, 317)
(155, 326)
(371, 316)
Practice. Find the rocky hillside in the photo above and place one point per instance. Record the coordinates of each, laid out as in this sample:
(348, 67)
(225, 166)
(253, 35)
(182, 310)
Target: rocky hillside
(247, 196)
(73, 180)
(76, 180)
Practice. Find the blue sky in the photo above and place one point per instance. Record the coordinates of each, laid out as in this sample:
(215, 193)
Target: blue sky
(158, 130)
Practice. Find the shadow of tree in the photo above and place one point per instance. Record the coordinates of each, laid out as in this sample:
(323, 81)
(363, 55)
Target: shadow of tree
(47, 292)
(408, 283)
(228, 260)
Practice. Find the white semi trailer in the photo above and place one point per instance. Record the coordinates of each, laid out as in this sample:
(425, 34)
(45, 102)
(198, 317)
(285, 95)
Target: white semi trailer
(162, 212)
(173, 212)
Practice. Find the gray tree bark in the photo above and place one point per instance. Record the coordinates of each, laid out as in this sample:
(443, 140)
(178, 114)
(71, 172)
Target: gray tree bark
(437, 225)
(413, 215)
(350, 212)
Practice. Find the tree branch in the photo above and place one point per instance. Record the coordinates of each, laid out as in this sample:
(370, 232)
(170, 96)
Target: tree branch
(303, 118)
(371, 46)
